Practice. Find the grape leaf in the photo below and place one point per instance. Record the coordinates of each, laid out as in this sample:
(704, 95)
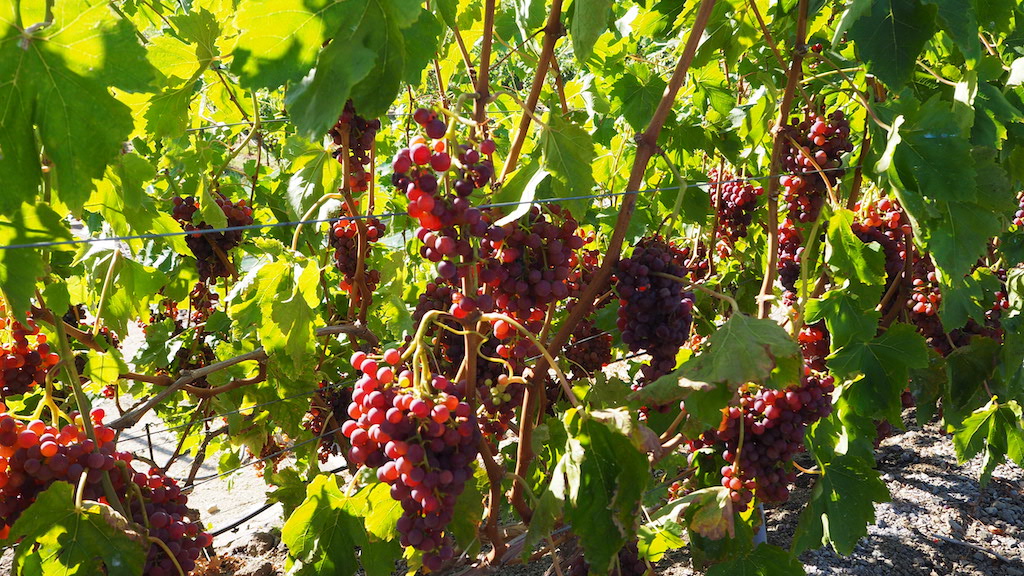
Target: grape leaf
(54, 87)
(424, 37)
(636, 98)
(742, 350)
(995, 429)
(568, 153)
(589, 21)
(890, 37)
(968, 367)
(849, 316)
(841, 505)
(965, 298)
(279, 40)
(764, 560)
(959, 19)
(322, 534)
(850, 258)
(19, 267)
(469, 511)
(58, 538)
(885, 363)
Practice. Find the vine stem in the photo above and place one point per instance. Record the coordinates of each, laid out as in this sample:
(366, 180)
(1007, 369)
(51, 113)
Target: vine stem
(114, 258)
(792, 80)
(552, 31)
(483, 76)
(646, 148)
(771, 43)
(805, 267)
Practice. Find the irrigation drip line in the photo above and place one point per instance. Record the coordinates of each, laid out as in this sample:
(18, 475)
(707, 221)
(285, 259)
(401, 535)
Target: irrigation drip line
(389, 214)
(210, 478)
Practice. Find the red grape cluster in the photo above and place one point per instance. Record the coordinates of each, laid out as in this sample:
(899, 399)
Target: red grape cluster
(25, 356)
(448, 221)
(423, 445)
(589, 348)
(774, 423)
(344, 238)
(820, 142)
(329, 402)
(629, 563)
(34, 455)
(735, 205)
(814, 345)
(211, 249)
(361, 134)
(791, 248)
(655, 312)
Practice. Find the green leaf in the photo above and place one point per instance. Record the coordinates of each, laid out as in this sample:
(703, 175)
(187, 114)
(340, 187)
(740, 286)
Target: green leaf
(959, 19)
(568, 153)
(20, 267)
(369, 39)
(322, 534)
(968, 368)
(841, 506)
(54, 96)
(995, 429)
(589, 21)
(765, 560)
(636, 98)
(57, 538)
(848, 256)
(424, 39)
(744, 349)
(279, 40)
(885, 363)
(604, 499)
(469, 513)
(890, 37)
(849, 317)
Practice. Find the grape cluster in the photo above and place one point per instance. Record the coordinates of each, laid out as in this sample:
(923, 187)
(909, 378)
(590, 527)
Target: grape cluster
(78, 316)
(498, 394)
(814, 345)
(423, 445)
(25, 356)
(629, 563)
(589, 348)
(361, 134)
(203, 302)
(791, 248)
(34, 455)
(820, 142)
(735, 205)
(329, 402)
(530, 268)
(448, 221)
(655, 312)
(211, 249)
(1018, 216)
(774, 423)
(343, 237)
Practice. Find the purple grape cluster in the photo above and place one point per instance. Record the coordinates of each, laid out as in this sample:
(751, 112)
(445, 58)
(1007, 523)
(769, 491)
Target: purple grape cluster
(655, 312)
(210, 249)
